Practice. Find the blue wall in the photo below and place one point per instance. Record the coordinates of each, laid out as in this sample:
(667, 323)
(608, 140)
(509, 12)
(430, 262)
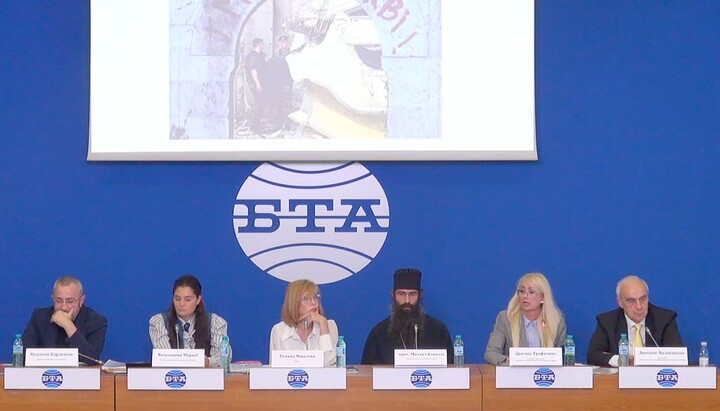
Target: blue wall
(628, 120)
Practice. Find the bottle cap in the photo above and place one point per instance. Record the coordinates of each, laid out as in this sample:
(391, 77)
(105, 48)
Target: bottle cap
(703, 343)
(458, 337)
(17, 335)
(341, 337)
(570, 336)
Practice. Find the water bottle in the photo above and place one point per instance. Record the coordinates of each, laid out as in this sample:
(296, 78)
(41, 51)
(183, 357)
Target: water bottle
(624, 351)
(704, 354)
(18, 360)
(225, 354)
(341, 352)
(569, 357)
(459, 348)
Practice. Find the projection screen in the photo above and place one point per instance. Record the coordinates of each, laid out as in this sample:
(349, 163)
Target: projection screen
(312, 80)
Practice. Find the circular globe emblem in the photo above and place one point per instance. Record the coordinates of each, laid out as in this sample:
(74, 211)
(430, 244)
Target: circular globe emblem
(175, 379)
(324, 222)
(52, 378)
(667, 377)
(544, 377)
(421, 378)
(298, 378)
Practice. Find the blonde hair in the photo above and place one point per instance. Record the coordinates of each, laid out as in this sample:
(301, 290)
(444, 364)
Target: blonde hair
(293, 298)
(549, 317)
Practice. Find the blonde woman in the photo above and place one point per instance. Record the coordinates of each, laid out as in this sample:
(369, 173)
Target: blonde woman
(303, 325)
(531, 320)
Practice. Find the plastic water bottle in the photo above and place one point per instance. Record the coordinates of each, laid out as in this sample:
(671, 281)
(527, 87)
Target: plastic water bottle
(569, 357)
(624, 351)
(225, 354)
(459, 348)
(341, 352)
(18, 357)
(704, 354)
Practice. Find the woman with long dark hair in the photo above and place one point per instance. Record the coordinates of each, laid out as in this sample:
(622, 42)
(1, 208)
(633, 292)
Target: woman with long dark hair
(187, 325)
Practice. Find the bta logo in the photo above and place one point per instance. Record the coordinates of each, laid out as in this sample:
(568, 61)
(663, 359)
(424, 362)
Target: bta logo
(421, 378)
(175, 379)
(298, 378)
(52, 378)
(323, 222)
(544, 377)
(667, 377)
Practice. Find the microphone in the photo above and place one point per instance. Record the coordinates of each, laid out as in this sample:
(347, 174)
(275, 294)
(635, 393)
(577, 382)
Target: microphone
(95, 360)
(177, 334)
(305, 324)
(416, 328)
(647, 330)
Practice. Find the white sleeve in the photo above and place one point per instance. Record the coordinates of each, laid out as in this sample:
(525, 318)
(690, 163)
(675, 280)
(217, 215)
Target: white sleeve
(218, 329)
(158, 333)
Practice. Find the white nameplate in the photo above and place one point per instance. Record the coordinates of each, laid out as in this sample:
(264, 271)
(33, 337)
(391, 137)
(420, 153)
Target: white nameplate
(297, 378)
(297, 359)
(668, 377)
(176, 379)
(661, 356)
(73, 378)
(421, 358)
(544, 377)
(532, 357)
(449, 378)
(174, 358)
(51, 357)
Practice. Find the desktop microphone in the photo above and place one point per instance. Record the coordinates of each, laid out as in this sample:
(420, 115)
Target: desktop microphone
(177, 334)
(416, 328)
(647, 330)
(95, 360)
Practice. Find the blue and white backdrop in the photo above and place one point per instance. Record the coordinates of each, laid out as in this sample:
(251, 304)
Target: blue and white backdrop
(627, 183)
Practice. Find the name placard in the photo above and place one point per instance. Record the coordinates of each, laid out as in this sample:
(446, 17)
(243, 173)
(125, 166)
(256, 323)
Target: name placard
(174, 358)
(297, 359)
(664, 378)
(421, 358)
(449, 378)
(544, 377)
(176, 379)
(51, 357)
(524, 356)
(661, 356)
(298, 378)
(59, 378)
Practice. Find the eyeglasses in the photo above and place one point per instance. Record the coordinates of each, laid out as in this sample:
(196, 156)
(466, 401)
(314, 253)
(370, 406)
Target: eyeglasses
(67, 301)
(312, 299)
(529, 292)
(632, 301)
(406, 294)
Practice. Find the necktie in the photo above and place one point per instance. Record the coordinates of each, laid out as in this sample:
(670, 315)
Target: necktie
(637, 337)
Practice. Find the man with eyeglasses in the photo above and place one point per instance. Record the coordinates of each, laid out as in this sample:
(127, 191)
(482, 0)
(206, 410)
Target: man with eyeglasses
(68, 323)
(645, 324)
(407, 327)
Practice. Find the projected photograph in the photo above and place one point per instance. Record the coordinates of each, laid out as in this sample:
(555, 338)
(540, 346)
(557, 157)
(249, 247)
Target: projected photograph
(304, 69)
(312, 80)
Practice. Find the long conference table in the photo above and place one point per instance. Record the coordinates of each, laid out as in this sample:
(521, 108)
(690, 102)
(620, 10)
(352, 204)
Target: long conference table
(359, 395)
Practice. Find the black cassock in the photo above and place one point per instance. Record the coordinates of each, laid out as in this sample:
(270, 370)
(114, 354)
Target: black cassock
(380, 346)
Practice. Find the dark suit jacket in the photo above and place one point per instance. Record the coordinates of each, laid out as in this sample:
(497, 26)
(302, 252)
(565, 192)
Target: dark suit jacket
(89, 338)
(660, 322)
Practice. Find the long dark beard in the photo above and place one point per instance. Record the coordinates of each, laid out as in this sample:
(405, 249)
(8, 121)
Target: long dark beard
(402, 322)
